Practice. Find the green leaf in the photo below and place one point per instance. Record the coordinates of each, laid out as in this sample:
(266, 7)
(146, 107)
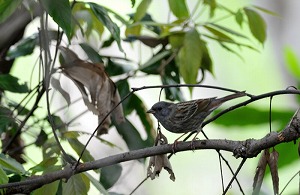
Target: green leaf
(3, 180)
(257, 24)
(41, 139)
(114, 68)
(221, 36)
(77, 185)
(228, 30)
(97, 184)
(213, 5)
(141, 10)
(190, 56)
(179, 8)
(10, 83)
(254, 117)
(130, 135)
(45, 164)
(58, 123)
(292, 62)
(145, 118)
(23, 48)
(102, 15)
(239, 17)
(265, 10)
(10, 165)
(176, 39)
(7, 120)
(172, 77)
(60, 11)
(3, 177)
(91, 53)
(78, 147)
(110, 175)
(7, 7)
(50, 188)
(153, 64)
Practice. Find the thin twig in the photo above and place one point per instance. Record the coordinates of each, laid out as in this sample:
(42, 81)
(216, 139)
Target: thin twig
(235, 175)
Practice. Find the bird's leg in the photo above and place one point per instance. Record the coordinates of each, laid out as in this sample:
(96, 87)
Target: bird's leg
(195, 137)
(174, 146)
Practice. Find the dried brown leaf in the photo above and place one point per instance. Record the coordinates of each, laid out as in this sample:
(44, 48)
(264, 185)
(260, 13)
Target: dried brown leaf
(98, 91)
(260, 171)
(273, 164)
(158, 162)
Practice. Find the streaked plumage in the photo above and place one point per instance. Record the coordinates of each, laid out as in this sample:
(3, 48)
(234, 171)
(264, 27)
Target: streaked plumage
(187, 116)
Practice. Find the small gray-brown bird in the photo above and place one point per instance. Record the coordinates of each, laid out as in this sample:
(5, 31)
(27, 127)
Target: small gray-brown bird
(184, 117)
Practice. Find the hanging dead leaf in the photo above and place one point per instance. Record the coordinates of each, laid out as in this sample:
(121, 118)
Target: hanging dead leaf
(98, 91)
(273, 164)
(158, 162)
(260, 171)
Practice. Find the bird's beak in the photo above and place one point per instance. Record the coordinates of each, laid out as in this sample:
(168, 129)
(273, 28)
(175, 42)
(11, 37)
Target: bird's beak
(151, 111)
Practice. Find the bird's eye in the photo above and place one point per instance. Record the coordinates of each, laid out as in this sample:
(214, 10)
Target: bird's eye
(159, 108)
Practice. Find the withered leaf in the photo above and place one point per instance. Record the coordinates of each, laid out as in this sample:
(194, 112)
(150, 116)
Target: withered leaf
(260, 171)
(158, 162)
(273, 164)
(98, 91)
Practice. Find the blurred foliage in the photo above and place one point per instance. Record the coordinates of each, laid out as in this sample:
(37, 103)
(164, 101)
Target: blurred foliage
(180, 53)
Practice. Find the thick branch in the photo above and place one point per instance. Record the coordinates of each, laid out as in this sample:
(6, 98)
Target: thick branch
(245, 149)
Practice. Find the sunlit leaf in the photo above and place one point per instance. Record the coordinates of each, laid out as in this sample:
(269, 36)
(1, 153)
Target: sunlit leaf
(10, 83)
(110, 175)
(10, 165)
(292, 62)
(141, 10)
(8, 7)
(77, 185)
(61, 16)
(257, 24)
(179, 8)
(102, 15)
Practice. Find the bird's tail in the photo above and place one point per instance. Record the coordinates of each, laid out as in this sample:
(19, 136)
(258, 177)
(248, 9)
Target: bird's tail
(232, 96)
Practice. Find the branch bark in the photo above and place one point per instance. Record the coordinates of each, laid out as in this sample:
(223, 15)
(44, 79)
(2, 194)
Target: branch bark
(245, 149)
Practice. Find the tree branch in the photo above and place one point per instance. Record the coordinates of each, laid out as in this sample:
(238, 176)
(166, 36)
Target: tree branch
(245, 149)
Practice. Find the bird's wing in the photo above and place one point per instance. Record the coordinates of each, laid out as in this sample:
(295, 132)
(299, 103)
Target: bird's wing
(185, 110)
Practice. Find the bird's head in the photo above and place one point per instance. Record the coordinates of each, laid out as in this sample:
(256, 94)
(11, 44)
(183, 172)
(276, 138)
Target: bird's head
(161, 110)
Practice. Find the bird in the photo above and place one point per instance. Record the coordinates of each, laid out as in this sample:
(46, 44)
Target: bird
(187, 116)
